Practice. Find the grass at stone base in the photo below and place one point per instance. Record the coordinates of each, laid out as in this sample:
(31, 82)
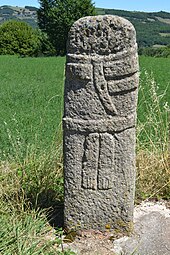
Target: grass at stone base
(29, 190)
(31, 180)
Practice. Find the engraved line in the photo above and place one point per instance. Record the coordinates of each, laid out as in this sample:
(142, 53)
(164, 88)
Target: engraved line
(123, 92)
(85, 131)
(91, 148)
(103, 125)
(120, 55)
(106, 181)
(120, 77)
(98, 161)
(115, 136)
(83, 160)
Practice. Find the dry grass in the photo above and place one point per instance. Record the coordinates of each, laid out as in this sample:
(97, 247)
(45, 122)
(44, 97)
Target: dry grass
(38, 178)
(153, 175)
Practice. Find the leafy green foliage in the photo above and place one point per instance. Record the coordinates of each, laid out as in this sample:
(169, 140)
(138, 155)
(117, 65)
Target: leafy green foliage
(56, 18)
(148, 32)
(46, 47)
(19, 38)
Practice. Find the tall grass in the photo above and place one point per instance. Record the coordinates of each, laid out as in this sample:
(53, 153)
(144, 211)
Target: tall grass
(158, 68)
(27, 233)
(153, 141)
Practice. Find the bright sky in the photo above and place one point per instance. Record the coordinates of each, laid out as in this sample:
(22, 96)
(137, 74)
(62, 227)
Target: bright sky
(132, 5)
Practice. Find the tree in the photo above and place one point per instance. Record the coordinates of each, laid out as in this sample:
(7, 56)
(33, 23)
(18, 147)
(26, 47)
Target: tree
(55, 17)
(17, 37)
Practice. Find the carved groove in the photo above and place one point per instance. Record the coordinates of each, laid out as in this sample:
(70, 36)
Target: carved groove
(98, 162)
(101, 88)
(123, 92)
(106, 162)
(121, 77)
(114, 124)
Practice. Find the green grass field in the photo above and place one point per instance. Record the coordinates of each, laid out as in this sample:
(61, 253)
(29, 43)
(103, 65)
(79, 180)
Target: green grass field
(31, 100)
(154, 97)
(159, 70)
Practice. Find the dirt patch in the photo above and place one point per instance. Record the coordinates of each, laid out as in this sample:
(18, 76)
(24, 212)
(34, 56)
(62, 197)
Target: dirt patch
(92, 243)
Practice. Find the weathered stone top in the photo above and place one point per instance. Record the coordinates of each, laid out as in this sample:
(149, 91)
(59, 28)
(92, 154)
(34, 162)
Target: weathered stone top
(101, 35)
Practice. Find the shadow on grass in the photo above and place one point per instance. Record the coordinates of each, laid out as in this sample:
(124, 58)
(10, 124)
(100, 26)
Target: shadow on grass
(48, 200)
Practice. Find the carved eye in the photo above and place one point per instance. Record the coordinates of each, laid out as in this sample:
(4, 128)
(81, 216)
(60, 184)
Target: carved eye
(102, 87)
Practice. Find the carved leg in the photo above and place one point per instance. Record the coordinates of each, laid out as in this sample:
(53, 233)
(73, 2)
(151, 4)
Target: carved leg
(90, 163)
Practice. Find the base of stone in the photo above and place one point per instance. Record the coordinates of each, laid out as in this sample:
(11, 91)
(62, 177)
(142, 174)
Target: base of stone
(151, 235)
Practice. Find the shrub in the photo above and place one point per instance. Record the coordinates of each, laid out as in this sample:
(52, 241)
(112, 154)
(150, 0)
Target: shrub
(18, 38)
(46, 48)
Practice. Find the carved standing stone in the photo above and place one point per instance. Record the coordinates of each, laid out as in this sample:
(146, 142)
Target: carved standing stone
(99, 124)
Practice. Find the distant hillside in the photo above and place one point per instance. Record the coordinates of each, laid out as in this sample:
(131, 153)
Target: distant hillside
(27, 14)
(153, 29)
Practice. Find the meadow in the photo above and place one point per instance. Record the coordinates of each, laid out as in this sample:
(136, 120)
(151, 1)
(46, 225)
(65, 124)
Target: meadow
(31, 173)
(31, 102)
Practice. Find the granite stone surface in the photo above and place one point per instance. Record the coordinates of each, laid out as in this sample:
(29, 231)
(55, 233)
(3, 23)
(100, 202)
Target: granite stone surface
(99, 124)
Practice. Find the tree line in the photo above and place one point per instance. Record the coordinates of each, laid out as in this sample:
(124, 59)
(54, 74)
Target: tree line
(55, 18)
